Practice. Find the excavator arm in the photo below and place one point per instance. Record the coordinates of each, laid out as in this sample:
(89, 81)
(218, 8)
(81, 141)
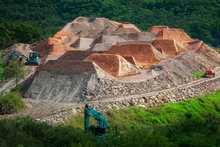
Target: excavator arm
(100, 129)
(17, 54)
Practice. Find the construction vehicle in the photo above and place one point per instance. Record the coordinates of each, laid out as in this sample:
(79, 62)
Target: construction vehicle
(157, 68)
(33, 58)
(209, 74)
(98, 130)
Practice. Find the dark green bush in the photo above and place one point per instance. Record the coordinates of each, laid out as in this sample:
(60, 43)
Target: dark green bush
(27, 132)
(10, 102)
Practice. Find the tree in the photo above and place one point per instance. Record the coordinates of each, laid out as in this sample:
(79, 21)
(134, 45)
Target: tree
(16, 70)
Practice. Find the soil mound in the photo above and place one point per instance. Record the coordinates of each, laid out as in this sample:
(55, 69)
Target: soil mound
(109, 39)
(125, 25)
(145, 54)
(66, 81)
(113, 64)
(176, 34)
(83, 43)
(169, 47)
(56, 45)
(63, 81)
(208, 56)
(156, 29)
(101, 47)
(140, 36)
(135, 42)
(85, 23)
(78, 55)
(195, 45)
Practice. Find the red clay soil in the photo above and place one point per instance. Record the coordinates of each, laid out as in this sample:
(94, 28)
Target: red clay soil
(116, 23)
(195, 45)
(156, 29)
(68, 66)
(143, 53)
(56, 45)
(113, 64)
(125, 25)
(176, 34)
(132, 60)
(166, 46)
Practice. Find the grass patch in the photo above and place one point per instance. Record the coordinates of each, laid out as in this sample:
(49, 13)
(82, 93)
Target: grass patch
(198, 74)
(202, 108)
(10, 102)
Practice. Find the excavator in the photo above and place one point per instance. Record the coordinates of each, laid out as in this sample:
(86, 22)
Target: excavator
(33, 58)
(97, 130)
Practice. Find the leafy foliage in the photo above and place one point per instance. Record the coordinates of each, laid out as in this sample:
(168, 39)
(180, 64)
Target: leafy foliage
(10, 102)
(26, 132)
(199, 18)
(11, 33)
(198, 74)
(15, 70)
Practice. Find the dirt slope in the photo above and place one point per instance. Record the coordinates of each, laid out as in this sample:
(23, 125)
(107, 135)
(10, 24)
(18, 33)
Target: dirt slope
(115, 65)
(145, 54)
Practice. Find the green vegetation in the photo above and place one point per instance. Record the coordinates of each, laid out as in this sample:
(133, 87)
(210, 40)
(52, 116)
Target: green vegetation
(1, 67)
(198, 74)
(11, 33)
(16, 70)
(198, 18)
(10, 102)
(201, 109)
(26, 132)
(193, 122)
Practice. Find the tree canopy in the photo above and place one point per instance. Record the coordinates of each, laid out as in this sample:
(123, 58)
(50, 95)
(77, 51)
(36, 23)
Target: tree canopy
(198, 18)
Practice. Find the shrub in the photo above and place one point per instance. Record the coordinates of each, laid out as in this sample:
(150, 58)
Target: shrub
(10, 102)
(198, 74)
(27, 132)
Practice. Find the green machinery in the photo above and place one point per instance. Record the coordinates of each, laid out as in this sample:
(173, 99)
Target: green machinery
(98, 130)
(33, 58)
